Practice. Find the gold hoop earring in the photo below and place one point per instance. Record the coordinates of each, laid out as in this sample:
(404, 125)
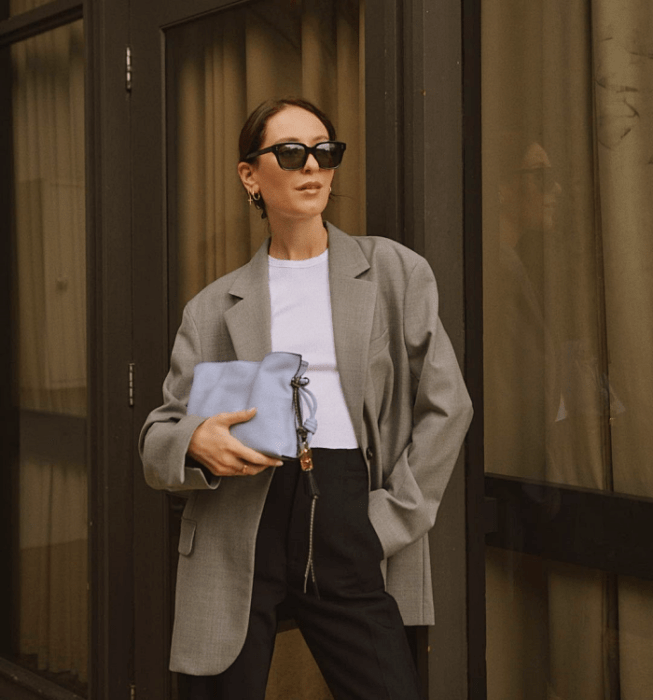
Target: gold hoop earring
(256, 196)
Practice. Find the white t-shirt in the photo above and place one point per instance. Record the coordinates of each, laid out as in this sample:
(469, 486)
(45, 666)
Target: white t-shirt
(302, 323)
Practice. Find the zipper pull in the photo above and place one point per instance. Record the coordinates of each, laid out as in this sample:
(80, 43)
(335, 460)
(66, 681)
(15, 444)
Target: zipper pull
(306, 463)
(306, 458)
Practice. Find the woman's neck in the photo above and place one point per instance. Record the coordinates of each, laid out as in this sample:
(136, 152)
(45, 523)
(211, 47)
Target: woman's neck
(298, 240)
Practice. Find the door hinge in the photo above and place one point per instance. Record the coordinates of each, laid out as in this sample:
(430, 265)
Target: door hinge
(131, 383)
(128, 69)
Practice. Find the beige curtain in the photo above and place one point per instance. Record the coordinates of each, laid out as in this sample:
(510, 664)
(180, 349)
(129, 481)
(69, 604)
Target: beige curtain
(219, 69)
(48, 126)
(568, 253)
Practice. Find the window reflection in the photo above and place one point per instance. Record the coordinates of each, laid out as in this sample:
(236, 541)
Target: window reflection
(568, 323)
(566, 248)
(523, 378)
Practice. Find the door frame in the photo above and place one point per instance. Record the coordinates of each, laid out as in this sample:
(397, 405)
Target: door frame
(112, 502)
(481, 513)
(418, 201)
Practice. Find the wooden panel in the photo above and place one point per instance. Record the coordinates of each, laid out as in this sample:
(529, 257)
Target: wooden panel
(475, 500)
(111, 455)
(587, 528)
(384, 120)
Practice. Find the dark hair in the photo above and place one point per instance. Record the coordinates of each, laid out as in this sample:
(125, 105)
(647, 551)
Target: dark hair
(508, 151)
(253, 132)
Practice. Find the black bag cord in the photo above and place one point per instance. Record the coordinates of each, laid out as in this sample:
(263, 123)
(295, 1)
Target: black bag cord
(304, 454)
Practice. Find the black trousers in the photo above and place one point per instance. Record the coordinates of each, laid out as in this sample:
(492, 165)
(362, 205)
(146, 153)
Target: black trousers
(351, 625)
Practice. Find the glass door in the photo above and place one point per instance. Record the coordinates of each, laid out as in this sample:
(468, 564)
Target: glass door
(44, 579)
(199, 69)
(218, 69)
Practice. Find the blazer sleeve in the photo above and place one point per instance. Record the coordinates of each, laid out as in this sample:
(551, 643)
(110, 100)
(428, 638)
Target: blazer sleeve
(406, 507)
(166, 434)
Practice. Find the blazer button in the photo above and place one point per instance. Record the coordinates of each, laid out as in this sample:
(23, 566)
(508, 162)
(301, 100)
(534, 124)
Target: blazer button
(369, 453)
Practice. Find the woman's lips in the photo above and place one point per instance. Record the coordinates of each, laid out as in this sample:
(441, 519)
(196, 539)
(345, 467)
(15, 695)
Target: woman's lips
(311, 186)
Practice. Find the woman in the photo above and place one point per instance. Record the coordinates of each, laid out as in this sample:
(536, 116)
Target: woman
(392, 413)
(522, 361)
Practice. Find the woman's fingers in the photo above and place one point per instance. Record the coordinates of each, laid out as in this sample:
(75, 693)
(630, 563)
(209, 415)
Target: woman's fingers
(251, 458)
(230, 419)
(256, 459)
(247, 462)
(213, 446)
(252, 469)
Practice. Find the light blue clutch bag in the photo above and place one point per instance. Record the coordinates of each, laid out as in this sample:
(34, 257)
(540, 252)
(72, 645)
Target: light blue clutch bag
(275, 386)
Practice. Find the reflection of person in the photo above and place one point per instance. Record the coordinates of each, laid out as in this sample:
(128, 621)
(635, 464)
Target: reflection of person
(392, 413)
(521, 375)
(529, 195)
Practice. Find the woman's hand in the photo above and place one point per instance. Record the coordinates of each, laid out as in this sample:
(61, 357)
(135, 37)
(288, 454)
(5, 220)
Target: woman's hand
(221, 453)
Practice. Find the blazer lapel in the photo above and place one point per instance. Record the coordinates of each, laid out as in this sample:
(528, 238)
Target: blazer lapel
(352, 309)
(248, 320)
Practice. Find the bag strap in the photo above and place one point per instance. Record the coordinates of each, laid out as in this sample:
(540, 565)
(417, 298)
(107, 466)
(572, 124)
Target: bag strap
(308, 425)
(305, 456)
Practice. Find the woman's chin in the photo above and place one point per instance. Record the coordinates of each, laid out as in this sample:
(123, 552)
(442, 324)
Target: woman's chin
(299, 214)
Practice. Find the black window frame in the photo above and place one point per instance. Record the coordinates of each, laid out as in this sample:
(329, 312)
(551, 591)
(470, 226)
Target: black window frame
(425, 95)
(14, 678)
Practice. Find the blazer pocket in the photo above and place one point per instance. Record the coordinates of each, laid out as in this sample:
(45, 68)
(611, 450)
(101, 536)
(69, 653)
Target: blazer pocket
(379, 343)
(187, 536)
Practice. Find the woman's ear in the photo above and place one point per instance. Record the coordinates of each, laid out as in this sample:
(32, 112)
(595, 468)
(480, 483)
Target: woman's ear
(246, 173)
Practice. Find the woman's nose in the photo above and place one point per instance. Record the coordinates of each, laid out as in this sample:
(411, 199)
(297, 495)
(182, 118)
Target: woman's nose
(311, 163)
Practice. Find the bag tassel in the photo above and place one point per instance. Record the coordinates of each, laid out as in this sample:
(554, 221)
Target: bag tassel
(306, 463)
(305, 455)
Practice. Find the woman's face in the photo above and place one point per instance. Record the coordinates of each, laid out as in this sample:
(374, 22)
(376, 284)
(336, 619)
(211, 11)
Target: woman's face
(539, 191)
(290, 194)
(530, 196)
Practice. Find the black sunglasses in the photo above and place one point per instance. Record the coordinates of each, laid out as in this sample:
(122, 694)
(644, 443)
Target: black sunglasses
(293, 156)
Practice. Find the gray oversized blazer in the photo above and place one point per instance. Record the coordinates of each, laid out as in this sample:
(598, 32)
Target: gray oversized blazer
(407, 402)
